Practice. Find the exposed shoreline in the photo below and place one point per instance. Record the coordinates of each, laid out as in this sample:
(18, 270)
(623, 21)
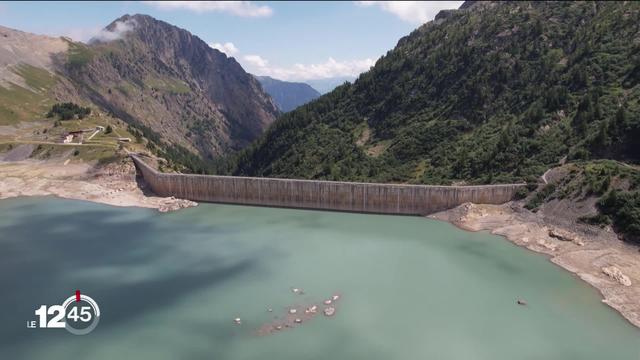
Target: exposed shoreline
(583, 254)
(114, 184)
(588, 256)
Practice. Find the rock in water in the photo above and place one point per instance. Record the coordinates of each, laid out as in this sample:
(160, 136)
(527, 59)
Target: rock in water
(330, 311)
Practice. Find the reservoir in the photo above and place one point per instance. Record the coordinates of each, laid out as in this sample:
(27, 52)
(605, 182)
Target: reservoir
(170, 285)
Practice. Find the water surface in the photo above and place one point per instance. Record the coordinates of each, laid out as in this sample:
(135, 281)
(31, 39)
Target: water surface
(169, 286)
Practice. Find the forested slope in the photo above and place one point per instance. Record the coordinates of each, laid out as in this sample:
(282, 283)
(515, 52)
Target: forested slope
(493, 92)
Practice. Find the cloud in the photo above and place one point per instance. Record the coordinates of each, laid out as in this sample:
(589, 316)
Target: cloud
(77, 34)
(227, 48)
(119, 29)
(257, 65)
(256, 61)
(417, 12)
(238, 8)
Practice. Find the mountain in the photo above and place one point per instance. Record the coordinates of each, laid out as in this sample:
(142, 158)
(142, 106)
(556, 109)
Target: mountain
(287, 95)
(159, 76)
(493, 92)
(190, 101)
(328, 84)
(27, 74)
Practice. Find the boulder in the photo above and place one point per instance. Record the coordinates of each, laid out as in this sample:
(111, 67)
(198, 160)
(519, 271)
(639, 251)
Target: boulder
(563, 235)
(617, 275)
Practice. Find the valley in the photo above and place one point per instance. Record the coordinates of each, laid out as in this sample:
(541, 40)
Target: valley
(518, 119)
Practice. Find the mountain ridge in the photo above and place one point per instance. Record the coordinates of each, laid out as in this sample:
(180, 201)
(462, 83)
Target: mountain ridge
(190, 101)
(495, 92)
(288, 95)
(175, 72)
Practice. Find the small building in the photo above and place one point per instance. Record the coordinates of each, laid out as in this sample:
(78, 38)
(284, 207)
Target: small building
(100, 128)
(124, 139)
(73, 136)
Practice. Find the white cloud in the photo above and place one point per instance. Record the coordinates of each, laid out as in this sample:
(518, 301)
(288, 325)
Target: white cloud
(256, 61)
(417, 12)
(257, 65)
(227, 48)
(238, 8)
(120, 28)
(77, 34)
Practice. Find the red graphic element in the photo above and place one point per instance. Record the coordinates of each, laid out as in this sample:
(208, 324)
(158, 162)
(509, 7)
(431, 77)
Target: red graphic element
(77, 295)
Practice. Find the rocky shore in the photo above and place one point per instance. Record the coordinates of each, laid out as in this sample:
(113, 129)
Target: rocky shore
(595, 255)
(112, 184)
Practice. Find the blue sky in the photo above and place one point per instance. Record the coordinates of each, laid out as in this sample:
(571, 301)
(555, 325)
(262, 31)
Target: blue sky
(286, 40)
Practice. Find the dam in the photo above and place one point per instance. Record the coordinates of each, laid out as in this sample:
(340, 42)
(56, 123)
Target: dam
(399, 199)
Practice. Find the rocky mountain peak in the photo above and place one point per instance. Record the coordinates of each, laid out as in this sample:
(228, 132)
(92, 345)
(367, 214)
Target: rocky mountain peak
(206, 101)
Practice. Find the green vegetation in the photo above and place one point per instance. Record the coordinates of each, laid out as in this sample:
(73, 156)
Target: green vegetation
(540, 197)
(67, 111)
(487, 96)
(18, 103)
(169, 85)
(178, 157)
(624, 209)
(78, 55)
(494, 94)
(36, 78)
(614, 186)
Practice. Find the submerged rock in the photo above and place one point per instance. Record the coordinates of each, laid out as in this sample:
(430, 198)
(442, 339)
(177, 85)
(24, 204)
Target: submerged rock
(329, 311)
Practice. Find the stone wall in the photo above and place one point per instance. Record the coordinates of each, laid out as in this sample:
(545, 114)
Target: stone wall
(326, 195)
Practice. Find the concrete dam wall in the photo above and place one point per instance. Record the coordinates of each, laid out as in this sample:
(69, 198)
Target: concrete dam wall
(325, 195)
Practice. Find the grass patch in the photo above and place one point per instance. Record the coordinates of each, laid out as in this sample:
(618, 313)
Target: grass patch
(170, 85)
(20, 104)
(78, 55)
(36, 78)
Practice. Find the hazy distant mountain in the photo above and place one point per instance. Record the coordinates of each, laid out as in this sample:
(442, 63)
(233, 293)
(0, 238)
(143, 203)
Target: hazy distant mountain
(326, 85)
(287, 95)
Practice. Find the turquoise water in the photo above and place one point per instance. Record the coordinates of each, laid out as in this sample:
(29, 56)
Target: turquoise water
(170, 285)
